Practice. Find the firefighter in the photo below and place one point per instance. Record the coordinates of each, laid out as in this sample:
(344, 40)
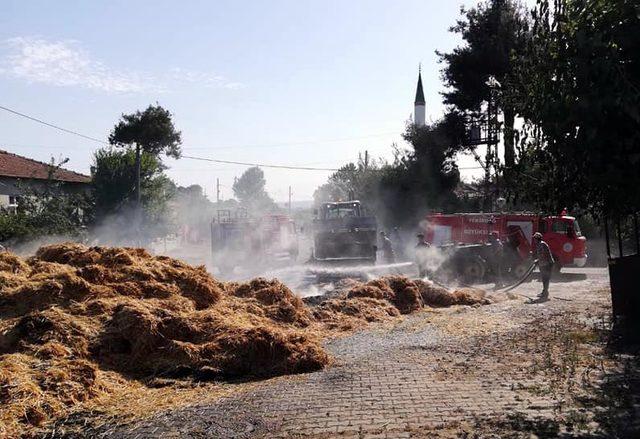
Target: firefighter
(422, 256)
(399, 244)
(387, 249)
(496, 257)
(545, 261)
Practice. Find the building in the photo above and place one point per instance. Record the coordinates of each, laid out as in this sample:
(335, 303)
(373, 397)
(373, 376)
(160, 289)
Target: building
(419, 106)
(21, 175)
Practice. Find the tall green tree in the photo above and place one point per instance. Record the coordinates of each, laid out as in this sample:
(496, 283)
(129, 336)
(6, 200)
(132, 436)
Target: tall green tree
(423, 177)
(493, 31)
(114, 176)
(150, 131)
(352, 181)
(250, 190)
(580, 97)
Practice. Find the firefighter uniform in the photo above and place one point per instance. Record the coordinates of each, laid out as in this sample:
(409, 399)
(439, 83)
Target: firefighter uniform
(497, 256)
(398, 244)
(422, 248)
(545, 260)
(387, 249)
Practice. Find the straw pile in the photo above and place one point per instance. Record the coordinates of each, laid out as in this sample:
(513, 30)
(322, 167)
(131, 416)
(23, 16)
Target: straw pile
(388, 297)
(70, 312)
(409, 295)
(72, 317)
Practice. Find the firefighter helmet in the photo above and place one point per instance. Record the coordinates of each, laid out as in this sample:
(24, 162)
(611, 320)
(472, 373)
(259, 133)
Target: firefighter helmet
(537, 235)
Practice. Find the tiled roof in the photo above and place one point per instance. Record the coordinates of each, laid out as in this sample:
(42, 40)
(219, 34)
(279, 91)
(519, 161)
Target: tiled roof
(12, 165)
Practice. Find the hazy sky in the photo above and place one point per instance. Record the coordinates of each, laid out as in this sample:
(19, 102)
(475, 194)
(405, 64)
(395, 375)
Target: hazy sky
(295, 82)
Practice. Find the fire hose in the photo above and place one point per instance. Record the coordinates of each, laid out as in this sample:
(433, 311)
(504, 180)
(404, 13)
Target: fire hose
(523, 278)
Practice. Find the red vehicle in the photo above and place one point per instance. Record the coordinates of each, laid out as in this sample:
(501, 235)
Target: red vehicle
(238, 240)
(515, 230)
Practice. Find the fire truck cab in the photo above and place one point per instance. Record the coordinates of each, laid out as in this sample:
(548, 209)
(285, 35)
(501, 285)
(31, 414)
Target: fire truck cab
(515, 230)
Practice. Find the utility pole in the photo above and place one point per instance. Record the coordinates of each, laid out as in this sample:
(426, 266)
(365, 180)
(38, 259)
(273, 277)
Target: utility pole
(289, 200)
(217, 190)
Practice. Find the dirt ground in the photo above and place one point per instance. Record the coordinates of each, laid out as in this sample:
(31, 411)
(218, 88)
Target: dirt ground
(510, 369)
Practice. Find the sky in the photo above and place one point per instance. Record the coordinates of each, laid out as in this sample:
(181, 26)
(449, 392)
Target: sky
(304, 83)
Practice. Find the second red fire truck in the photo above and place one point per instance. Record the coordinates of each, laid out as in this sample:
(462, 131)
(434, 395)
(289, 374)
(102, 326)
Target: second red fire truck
(467, 234)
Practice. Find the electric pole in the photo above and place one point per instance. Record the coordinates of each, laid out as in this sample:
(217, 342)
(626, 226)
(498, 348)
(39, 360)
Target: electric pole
(217, 190)
(289, 200)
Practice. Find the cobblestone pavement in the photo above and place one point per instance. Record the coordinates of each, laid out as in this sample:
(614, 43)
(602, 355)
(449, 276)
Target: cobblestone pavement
(437, 373)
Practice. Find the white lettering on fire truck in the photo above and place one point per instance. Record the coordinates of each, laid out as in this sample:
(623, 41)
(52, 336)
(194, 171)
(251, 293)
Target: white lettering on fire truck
(479, 220)
(474, 232)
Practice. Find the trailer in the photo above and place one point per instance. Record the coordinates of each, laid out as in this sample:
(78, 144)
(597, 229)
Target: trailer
(239, 240)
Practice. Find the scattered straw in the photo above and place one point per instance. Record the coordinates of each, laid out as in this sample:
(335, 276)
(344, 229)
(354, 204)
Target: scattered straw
(83, 326)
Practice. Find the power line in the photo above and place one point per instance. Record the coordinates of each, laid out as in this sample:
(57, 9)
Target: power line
(229, 162)
(261, 165)
(297, 143)
(75, 133)
(53, 126)
(304, 142)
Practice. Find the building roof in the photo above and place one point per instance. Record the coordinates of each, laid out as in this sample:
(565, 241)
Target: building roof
(13, 165)
(419, 92)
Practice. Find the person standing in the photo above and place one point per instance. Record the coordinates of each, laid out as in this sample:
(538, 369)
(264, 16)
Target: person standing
(497, 255)
(396, 237)
(387, 249)
(545, 261)
(422, 256)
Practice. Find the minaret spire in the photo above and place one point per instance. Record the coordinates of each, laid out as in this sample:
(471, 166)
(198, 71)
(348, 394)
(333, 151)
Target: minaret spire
(419, 112)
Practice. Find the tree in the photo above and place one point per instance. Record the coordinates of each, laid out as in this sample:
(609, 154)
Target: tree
(422, 178)
(114, 177)
(580, 97)
(249, 189)
(191, 206)
(492, 32)
(399, 193)
(351, 181)
(150, 131)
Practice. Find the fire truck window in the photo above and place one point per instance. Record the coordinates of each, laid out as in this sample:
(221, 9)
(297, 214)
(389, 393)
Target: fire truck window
(560, 226)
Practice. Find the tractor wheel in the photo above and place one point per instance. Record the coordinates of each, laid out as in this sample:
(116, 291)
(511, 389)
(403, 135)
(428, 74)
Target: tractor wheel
(474, 270)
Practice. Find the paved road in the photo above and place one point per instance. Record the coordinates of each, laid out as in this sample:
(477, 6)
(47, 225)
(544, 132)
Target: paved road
(437, 373)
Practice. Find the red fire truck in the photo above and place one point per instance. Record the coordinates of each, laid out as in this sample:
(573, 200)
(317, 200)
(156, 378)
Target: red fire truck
(515, 230)
(238, 240)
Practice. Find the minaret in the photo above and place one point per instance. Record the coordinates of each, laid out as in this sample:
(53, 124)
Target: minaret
(419, 111)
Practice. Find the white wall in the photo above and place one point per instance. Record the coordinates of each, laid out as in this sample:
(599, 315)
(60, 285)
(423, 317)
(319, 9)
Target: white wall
(419, 115)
